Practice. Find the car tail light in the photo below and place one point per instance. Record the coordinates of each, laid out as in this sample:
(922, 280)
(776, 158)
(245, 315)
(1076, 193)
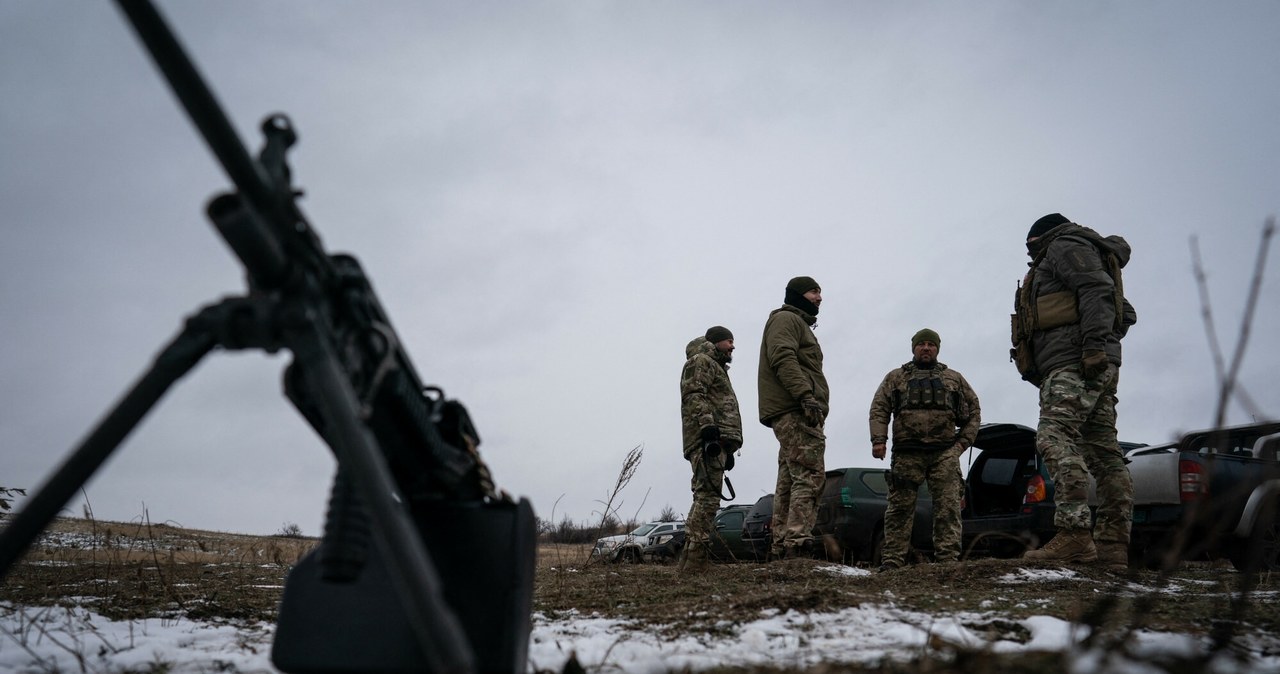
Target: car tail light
(1035, 490)
(1191, 482)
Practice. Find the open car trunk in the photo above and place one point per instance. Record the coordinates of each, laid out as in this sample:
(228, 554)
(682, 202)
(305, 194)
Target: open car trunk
(998, 477)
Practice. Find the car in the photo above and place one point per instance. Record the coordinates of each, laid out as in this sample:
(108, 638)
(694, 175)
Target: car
(850, 521)
(628, 547)
(851, 512)
(727, 544)
(757, 528)
(1206, 496)
(1008, 495)
(665, 547)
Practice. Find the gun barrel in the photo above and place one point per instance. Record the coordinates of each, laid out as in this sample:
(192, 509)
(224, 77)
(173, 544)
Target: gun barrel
(201, 105)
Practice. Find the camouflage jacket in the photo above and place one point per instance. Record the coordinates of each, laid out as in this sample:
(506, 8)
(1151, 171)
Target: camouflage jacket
(707, 397)
(790, 364)
(1074, 298)
(927, 406)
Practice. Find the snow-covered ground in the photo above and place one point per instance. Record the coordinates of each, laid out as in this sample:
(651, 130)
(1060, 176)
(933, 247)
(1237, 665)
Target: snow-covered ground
(75, 640)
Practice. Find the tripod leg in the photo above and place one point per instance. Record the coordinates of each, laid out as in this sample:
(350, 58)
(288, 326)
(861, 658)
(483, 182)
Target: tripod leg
(439, 633)
(177, 359)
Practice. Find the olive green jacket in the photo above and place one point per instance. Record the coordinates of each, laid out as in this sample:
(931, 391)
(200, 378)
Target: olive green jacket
(790, 364)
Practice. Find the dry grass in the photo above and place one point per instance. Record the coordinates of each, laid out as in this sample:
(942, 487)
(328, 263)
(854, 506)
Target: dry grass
(129, 571)
(136, 570)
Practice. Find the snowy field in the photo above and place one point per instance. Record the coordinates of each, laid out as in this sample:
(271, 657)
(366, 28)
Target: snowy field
(76, 640)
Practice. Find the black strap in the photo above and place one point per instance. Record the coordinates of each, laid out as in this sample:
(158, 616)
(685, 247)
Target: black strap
(732, 495)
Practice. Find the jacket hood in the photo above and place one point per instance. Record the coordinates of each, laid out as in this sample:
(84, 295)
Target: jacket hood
(700, 345)
(1114, 244)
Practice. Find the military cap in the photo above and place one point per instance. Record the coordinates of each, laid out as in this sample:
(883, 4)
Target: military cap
(925, 335)
(1043, 225)
(718, 333)
(802, 284)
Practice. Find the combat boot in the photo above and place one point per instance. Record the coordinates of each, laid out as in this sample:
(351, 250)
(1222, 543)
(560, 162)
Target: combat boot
(1072, 545)
(693, 559)
(1113, 556)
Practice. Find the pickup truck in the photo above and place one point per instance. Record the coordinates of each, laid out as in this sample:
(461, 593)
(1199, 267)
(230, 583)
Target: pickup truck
(1211, 494)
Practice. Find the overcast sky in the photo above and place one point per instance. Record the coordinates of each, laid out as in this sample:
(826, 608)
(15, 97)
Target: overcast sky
(553, 198)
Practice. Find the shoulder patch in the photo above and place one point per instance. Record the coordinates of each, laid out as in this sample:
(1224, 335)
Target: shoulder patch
(1083, 258)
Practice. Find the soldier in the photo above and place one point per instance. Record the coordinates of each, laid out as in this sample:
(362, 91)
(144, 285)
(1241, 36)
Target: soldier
(928, 402)
(1070, 316)
(712, 425)
(794, 403)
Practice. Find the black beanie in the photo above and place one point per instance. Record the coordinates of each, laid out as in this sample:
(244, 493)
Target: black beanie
(718, 333)
(1048, 222)
(802, 284)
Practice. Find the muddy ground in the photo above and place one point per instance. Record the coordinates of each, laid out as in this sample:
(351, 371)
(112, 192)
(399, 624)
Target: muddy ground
(130, 571)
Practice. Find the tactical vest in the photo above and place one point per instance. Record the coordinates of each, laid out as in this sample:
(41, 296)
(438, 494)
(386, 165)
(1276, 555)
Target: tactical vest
(1032, 313)
(925, 390)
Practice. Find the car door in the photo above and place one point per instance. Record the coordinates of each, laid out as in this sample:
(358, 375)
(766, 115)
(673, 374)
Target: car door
(726, 536)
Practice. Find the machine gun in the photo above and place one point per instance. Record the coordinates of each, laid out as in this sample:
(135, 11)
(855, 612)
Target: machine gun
(412, 505)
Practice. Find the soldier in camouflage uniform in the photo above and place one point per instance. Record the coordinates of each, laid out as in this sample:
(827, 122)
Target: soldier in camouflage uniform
(1071, 315)
(712, 428)
(935, 418)
(794, 402)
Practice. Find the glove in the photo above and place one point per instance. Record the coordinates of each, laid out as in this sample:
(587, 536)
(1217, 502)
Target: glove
(1093, 364)
(812, 411)
(728, 461)
(710, 433)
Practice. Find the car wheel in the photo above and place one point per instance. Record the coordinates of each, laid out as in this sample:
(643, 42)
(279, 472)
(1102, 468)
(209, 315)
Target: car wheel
(1261, 551)
(631, 556)
(877, 545)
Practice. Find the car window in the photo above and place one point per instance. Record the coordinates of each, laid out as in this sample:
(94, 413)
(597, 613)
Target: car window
(643, 529)
(731, 519)
(999, 471)
(875, 481)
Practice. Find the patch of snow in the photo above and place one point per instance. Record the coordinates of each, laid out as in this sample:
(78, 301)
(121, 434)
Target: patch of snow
(60, 639)
(842, 570)
(1039, 576)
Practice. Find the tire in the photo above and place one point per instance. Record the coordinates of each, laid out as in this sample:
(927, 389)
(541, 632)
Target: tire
(1261, 551)
(631, 556)
(877, 546)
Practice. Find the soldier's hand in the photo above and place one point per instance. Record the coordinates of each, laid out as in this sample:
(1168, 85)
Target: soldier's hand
(710, 433)
(812, 411)
(728, 460)
(1093, 364)
(878, 450)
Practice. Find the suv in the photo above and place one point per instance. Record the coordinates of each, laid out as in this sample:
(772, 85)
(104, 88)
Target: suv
(1008, 494)
(726, 543)
(628, 547)
(757, 528)
(851, 515)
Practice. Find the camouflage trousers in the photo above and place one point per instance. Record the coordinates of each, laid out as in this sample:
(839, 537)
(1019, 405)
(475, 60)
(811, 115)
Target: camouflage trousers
(801, 473)
(908, 469)
(1077, 438)
(708, 475)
